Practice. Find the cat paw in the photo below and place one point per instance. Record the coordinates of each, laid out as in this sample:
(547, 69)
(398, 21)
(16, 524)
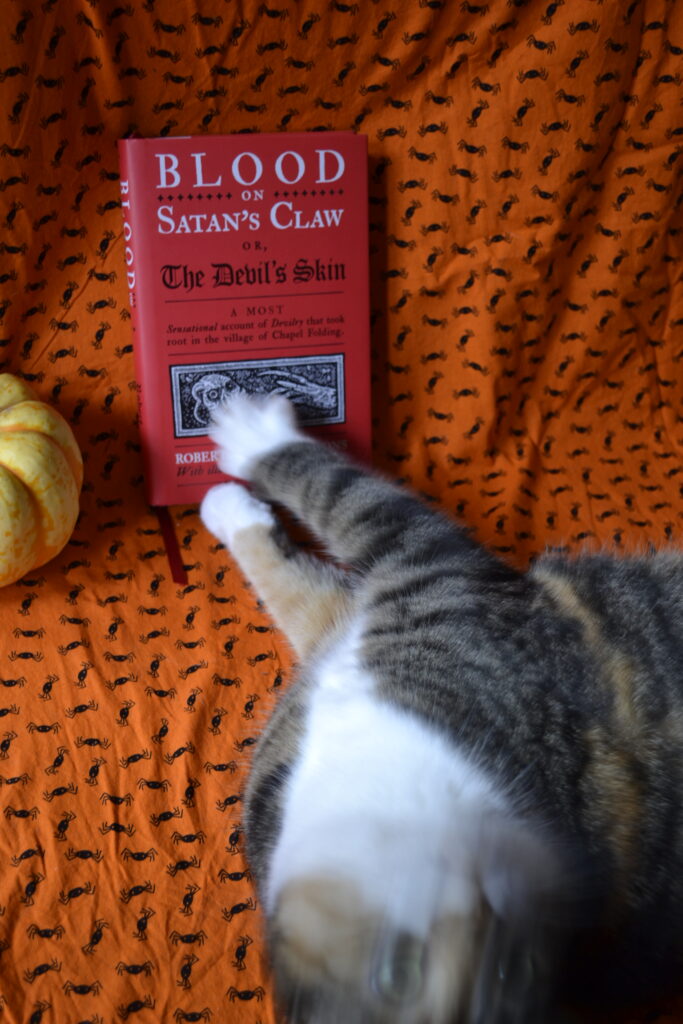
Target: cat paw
(247, 427)
(229, 508)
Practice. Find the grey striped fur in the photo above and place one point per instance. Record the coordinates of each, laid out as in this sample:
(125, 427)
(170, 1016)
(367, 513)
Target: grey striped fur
(564, 684)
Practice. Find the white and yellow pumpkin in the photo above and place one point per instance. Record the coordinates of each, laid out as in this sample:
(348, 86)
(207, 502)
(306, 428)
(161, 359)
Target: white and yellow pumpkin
(41, 472)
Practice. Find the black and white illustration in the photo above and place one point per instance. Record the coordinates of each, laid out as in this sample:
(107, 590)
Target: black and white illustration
(315, 384)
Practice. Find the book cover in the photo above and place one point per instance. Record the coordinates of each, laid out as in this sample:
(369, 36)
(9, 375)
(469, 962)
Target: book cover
(247, 266)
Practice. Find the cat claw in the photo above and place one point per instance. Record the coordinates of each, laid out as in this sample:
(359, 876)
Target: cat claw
(248, 427)
(229, 508)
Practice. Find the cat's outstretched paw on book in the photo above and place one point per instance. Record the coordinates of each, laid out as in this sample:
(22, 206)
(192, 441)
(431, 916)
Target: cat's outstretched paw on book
(229, 508)
(248, 427)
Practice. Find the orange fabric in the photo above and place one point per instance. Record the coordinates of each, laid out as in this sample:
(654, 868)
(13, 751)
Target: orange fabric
(527, 309)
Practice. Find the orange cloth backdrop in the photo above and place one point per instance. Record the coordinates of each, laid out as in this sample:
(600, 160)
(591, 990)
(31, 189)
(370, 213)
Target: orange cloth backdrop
(527, 314)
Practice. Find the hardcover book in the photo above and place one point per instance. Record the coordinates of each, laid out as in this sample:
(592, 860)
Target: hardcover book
(247, 267)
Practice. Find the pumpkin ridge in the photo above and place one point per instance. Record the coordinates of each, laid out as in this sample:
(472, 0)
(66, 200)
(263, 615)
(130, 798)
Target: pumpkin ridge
(15, 563)
(41, 475)
(67, 444)
(48, 478)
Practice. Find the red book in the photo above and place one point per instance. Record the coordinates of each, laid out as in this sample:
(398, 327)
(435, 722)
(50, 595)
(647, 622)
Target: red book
(247, 265)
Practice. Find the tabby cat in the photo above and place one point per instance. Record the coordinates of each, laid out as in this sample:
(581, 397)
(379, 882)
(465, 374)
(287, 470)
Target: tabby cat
(476, 775)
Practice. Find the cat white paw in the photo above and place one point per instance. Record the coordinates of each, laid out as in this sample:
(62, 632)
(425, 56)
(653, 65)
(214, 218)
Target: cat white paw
(247, 427)
(228, 508)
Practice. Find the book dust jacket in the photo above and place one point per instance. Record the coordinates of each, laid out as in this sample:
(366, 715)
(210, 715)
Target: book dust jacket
(247, 267)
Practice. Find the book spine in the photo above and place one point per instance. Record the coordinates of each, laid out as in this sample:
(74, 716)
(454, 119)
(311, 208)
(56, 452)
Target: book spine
(134, 236)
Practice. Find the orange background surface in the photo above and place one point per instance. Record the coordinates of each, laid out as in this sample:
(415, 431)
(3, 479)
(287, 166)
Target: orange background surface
(527, 313)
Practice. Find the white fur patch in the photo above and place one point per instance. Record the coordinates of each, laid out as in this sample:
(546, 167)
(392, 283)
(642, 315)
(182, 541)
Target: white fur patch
(247, 427)
(380, 800)
(228, 508)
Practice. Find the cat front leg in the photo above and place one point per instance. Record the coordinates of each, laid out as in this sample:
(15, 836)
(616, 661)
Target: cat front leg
(229, 510)
(359, 515)
(246, 428)
(305, 597)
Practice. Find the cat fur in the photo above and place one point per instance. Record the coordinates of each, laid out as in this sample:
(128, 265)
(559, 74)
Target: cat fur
(467, 750)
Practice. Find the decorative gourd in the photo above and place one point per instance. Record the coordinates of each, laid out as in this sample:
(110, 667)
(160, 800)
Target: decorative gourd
(41, 472)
